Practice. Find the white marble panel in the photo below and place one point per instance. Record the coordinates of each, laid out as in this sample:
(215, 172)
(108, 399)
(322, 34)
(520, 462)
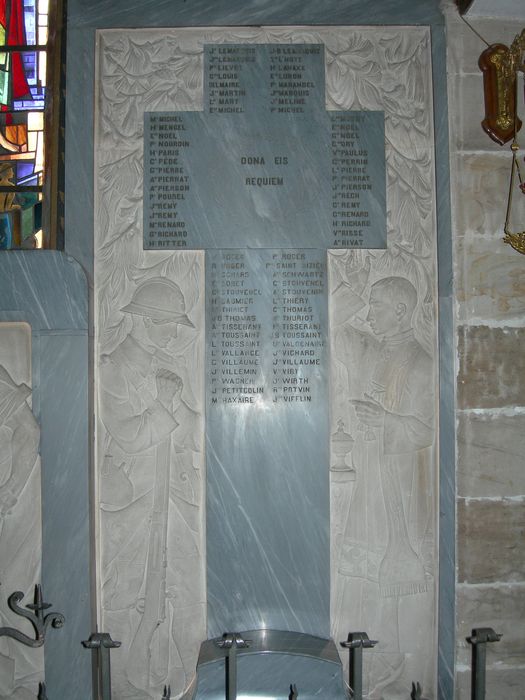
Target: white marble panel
(384, 512)
(384, 398)
(149, 383)
(149, 376)
(21, 668)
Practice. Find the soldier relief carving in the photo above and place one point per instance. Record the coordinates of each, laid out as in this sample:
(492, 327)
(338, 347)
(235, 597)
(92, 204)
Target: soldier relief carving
(149, 328)
(149, 390)
(150, 489)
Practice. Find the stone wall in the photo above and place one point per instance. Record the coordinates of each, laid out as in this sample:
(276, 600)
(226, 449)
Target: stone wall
(490, 327)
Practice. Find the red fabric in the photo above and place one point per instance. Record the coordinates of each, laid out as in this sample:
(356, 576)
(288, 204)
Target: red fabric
(2, 12)
(15, 36)
(20, 87)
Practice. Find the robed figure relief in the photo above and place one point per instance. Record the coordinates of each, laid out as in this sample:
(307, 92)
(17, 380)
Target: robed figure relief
(385, 554)
(149, 491)
(21, 668)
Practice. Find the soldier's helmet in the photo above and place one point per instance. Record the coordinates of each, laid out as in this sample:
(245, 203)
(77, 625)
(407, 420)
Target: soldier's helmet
(161, 300)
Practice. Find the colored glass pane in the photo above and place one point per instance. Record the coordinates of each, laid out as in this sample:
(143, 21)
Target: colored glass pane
(23, 23)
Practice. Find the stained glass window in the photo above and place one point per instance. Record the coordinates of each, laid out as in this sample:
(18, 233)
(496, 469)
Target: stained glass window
(23, 39)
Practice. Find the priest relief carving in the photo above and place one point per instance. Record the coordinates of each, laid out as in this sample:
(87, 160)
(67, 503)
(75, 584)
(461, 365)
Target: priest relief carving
(385, 552)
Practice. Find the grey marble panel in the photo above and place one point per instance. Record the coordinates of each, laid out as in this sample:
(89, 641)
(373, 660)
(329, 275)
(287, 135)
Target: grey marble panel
(265, 157)
(271, 79)
(447, 492)
(48, 289)
(267, 441)
(65, 509)
(105, 13)
(447, 437)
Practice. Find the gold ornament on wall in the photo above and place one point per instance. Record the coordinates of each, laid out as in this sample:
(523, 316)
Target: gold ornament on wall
(501, 68)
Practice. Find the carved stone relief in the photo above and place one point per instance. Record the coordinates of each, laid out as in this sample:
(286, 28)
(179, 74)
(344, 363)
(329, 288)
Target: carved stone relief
(383, 517)
(384, 554)
(149, 370)
(21, 668)
(150, 381)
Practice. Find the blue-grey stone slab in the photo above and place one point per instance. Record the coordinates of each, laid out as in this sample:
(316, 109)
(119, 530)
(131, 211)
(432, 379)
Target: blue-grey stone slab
(267, 441)
(264, 165)
(447, 383)
(272, 662)
(66, 542)
(179, 13)
(47, 287)
(358, 216)
(264, 79)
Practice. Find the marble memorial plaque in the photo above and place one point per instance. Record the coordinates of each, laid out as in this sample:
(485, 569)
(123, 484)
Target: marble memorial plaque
(264, 157)
(267, 441)
(394, 95)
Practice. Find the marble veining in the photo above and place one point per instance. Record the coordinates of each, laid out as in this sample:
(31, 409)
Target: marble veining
(49, 288)
(267, 510)
(167, 13)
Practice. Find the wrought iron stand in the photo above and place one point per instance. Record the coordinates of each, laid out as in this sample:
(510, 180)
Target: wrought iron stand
(102, 642)
(356, 642)
(479, 638)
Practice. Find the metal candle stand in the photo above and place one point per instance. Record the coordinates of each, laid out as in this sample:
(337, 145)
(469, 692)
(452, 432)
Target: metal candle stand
(102, 642)
(479, 639)
(230, 642)
(39, 621)
(356, 642)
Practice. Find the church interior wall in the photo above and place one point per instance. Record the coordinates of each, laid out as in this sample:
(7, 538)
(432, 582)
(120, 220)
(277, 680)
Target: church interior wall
(488, 311)
(482, 483)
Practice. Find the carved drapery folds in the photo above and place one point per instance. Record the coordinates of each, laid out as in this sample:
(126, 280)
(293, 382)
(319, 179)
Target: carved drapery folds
(20, 512)
(383, 333)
